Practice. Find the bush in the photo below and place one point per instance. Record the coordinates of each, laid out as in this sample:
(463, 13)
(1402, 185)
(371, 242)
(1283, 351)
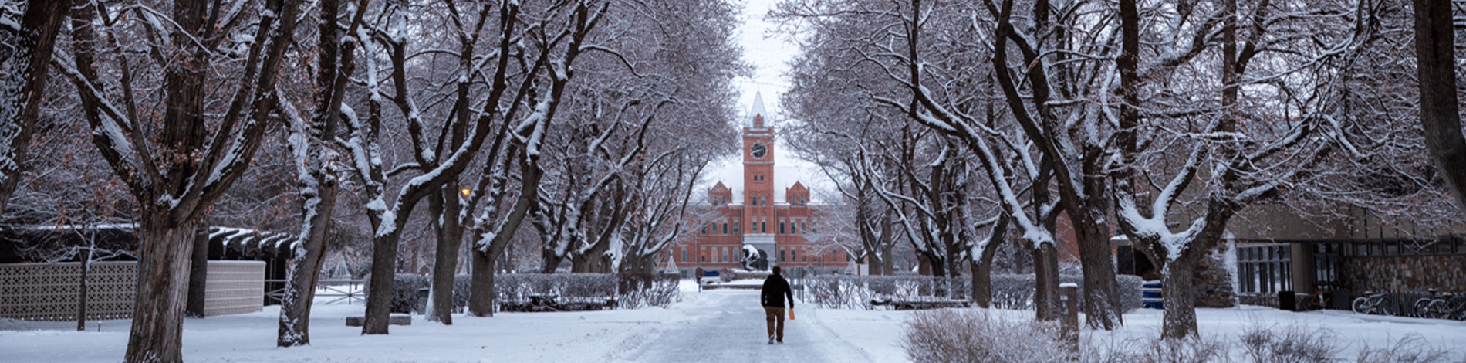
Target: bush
(1009, 291)
(648, 289)
(1189, 350)
(1292, 344)
(631, 290)
(976, 335)
(405, 287)
(1410, 349)
(857, 292)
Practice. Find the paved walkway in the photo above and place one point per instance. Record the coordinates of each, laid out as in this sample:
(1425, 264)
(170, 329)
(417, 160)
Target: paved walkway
(730, 328)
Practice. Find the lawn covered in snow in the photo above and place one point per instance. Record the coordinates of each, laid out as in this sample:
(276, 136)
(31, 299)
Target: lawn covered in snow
(637, 335)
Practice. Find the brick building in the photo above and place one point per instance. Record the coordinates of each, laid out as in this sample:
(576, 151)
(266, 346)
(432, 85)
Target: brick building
(762, 225)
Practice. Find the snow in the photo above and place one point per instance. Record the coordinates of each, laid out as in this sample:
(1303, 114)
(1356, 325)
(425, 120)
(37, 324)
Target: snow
(712, 325)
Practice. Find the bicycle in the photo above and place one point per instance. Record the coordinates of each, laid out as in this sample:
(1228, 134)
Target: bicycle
(1372, 303)
(1446, 306)
(1422, 305)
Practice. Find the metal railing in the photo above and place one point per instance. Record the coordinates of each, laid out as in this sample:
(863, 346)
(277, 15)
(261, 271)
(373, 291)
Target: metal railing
(337, 290)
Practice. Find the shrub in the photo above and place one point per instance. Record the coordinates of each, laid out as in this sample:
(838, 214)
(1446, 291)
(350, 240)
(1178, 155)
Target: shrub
(1410, 349)
(976, 335)
(1009, 291)
(1292, 344)
(405, 287)
(1189, 350)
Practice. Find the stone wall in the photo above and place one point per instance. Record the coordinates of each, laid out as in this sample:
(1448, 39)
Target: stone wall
(1213, 283)
(1406, 273)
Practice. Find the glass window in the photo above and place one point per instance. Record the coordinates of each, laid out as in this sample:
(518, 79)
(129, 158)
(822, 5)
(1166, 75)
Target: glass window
(793, 255)
(781, 227)
(684, 255)
(781, 255)
(725, 227)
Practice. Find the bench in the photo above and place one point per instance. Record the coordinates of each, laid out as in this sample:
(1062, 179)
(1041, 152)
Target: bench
(921, 304)
(394, 319)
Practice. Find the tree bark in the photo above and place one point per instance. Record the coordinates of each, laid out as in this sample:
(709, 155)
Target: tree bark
(81, 295)
(1435, 58)
(1046, 282)
(384, 272)
(1179, 299)
(1101, 302)
(20, 97)
(450, 240)
(157, 319)
(481, 297)
(295, 307)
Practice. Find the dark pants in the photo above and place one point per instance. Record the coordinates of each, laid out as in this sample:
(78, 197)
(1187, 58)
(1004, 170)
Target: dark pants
(775, 317)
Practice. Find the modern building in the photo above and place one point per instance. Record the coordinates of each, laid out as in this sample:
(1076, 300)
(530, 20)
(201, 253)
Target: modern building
(760, 226)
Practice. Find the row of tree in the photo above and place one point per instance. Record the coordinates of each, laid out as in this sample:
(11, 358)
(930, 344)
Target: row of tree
(1156, 120)
(589, 119)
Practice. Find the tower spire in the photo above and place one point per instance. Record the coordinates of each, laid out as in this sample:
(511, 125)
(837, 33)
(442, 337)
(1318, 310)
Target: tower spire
(758, 110)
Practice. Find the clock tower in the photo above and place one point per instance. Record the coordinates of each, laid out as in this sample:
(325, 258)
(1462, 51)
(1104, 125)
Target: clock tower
(758, 180)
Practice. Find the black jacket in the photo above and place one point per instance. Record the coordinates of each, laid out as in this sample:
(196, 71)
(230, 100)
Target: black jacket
(776, 289)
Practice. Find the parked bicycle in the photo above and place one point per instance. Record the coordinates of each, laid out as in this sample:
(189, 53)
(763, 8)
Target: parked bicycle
(1441, 306)
(1373, 303)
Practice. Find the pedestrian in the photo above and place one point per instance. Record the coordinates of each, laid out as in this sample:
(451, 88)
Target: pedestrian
(775, 291)
(698, 278)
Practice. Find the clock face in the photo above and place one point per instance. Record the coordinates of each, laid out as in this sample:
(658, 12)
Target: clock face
(758, 150)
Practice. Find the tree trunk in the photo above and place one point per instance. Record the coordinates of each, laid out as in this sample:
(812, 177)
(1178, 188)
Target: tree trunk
(163, 271)
(81, 296)
(1046, 282)
(20, 96)
(384, 272)
(982, 266)
(982, 282)
(1179, 300)
(1435, 58)
(1101, 301)
(450, 240)
(481, 298)
(295, 307)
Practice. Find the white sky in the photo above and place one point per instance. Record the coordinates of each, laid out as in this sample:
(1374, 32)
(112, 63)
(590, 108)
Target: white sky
(770, 55)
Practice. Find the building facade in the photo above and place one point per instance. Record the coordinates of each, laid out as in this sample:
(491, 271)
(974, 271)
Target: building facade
(756, 230)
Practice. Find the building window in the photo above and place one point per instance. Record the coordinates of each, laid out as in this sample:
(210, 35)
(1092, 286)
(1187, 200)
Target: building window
(781, 255)
(735, 227)
(781, 227)
(763, 227)
(725, 254)
(794, 255)
(803, 226)
(725, 227)
(684, 255)
(1265, 269)
(805, 257)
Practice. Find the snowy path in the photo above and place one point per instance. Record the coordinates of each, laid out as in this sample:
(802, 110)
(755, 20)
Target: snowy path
(728, 326)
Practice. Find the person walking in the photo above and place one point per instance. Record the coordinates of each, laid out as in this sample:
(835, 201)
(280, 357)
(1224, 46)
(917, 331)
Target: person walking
(775, 291)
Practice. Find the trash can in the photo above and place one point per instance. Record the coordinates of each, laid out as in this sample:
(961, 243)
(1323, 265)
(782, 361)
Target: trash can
(1287, 300)
(422, 300)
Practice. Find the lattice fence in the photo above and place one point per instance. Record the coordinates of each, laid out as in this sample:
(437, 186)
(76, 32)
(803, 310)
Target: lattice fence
(48, 292)
(39, 291)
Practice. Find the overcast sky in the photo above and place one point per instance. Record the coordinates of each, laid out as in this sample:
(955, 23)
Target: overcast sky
(770, 55)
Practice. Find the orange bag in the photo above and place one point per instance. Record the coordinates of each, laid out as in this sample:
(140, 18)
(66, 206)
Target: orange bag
(791, 313)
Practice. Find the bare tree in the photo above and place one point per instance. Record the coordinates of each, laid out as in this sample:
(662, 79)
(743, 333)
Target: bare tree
(178, 175)
(27, 56)
(1435, 57)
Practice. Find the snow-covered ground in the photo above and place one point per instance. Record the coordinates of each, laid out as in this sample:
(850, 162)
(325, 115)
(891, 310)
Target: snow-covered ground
(712, 326)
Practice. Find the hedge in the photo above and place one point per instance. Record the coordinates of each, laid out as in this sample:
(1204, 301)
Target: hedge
(631, 290)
